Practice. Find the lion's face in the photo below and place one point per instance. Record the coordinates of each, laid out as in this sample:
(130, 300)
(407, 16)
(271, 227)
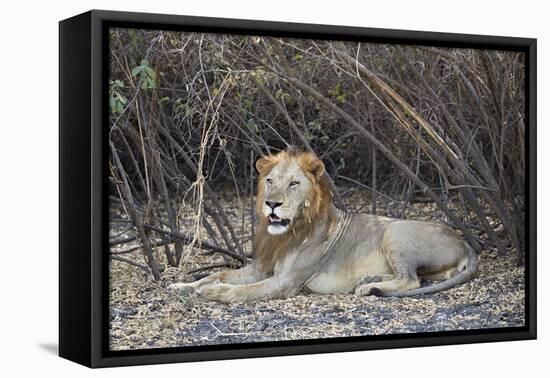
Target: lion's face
(287, 184)
(286, 189)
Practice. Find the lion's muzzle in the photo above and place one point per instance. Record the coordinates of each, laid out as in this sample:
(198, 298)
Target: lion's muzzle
(277, 225)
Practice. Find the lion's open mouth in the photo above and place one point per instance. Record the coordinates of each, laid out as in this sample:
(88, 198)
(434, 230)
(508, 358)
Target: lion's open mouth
(275, 220)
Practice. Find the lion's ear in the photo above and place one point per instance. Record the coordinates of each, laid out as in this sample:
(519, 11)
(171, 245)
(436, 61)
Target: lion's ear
(264, 164)
(316, 167)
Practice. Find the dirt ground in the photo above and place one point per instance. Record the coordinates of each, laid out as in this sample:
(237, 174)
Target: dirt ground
(143, 314)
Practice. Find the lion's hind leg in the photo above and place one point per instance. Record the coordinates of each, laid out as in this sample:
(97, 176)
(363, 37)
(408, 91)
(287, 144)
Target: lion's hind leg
(381, 288)
(404, 276)
(377, 278)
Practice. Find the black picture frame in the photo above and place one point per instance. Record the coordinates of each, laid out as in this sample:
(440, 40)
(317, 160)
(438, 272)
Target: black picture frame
(83, 262)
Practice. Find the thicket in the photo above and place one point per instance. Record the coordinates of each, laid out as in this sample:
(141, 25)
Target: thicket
(190, 113)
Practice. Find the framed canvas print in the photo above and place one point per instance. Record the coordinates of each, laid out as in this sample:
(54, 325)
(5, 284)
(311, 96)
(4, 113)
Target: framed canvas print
(233, 188)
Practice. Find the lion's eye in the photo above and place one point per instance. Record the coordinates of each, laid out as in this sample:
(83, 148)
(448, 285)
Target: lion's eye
(269, 181)
(294, 184)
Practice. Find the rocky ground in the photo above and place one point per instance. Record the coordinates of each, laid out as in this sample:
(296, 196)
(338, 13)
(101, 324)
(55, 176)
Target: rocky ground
(143, 314)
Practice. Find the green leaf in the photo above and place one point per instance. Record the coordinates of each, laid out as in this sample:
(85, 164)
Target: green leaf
(137, 70)
(252, 126)
(122, 99)
(149, 71)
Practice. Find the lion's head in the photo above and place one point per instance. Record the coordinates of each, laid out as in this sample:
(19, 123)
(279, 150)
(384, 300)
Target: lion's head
(293, 198)
(289, 189)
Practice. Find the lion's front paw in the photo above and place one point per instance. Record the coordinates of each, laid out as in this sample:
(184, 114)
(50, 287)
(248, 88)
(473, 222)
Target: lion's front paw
(217, 292)
(184, 289)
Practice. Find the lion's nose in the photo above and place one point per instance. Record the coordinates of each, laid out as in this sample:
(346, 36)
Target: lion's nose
(272, 204)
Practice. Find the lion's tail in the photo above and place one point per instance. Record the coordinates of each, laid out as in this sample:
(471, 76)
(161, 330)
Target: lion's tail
(467, 274)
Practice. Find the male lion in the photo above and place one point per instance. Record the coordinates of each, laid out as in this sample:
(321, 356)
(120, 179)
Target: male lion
(304, 241)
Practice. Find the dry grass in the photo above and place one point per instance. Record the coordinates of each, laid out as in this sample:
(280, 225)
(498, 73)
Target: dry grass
(145, 315)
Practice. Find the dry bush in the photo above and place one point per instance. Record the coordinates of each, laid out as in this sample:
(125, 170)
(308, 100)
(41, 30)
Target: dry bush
(191, 112)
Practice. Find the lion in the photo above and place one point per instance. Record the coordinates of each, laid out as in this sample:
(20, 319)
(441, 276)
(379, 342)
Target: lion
(304, 242)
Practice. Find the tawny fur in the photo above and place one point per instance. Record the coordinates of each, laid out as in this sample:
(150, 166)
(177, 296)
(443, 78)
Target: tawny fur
(314, 245)
(269, 249)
